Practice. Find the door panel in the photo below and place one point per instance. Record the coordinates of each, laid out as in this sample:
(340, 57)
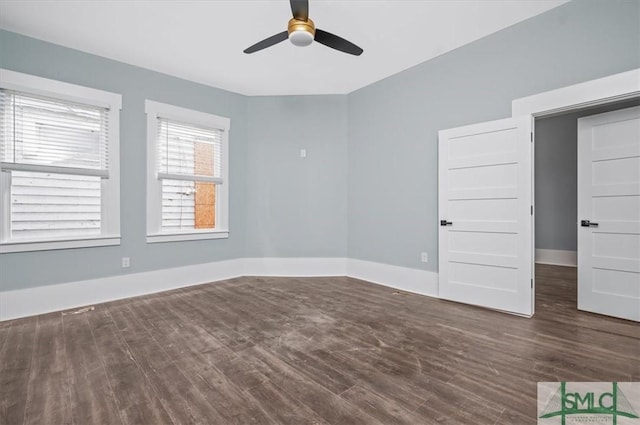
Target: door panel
(609, 197)
(485, 254)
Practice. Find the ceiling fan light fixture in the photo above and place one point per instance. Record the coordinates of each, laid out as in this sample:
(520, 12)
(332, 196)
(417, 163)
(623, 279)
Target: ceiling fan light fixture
(300, 38)
(301, 33)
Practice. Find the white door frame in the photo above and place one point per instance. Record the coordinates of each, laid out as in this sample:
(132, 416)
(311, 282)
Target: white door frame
(613, 88)
(602, 91)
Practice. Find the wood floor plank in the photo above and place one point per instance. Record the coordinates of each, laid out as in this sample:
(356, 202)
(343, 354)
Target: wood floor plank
(228, 403)
(364, 372)
(218, 321)
(92, 397)
(324, 403)
(5, 328)
(449, 405)
(381, 408)
(232, 405)
(254, 310)
(315, 369)
(182, 401)
(311, 351)
(241, 373)
(15, 369)
(191, 337)
(284, 409)
(496, 398)
(235, 314)
(48, 393)
(136, 398)
(183, 337)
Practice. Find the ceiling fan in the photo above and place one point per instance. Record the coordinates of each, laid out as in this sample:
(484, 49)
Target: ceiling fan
(302, 32)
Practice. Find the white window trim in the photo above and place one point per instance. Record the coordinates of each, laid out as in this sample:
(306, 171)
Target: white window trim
(89, 242)
(110, 217)
(155, 110)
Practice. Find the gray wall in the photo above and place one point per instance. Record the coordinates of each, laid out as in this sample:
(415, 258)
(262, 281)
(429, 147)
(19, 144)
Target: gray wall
(556, 177)
(369, 184)
(297, 207)
(20, 270)
(280, 204)
(394, 123)
(556, 182)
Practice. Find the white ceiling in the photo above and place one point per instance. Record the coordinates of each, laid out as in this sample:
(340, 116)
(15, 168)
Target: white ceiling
(203, 41)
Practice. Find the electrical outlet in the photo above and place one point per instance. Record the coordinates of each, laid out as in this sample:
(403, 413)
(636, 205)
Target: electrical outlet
(424, 257)
(126, 262)
(303, 153)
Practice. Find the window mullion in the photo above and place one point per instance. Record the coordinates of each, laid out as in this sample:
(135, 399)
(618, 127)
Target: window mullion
(190, 177)
(55, 170)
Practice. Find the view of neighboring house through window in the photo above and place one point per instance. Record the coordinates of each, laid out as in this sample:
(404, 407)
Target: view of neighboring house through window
(187, 185)
(190, 159)
(57, 154)
(57, 180)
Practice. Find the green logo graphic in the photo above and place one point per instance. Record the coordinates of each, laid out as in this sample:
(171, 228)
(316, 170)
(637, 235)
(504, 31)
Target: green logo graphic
(588, 404)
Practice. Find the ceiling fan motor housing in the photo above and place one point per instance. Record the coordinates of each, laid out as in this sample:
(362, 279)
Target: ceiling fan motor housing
(301, 33)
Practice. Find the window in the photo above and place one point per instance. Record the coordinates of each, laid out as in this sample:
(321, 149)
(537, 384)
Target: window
(59, 179)
(187, 178)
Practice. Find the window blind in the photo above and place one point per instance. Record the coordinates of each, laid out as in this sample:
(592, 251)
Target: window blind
(178, 205)
(46, 205)
(41, 134)
(188, 152)
(57, 154)
(189, 165)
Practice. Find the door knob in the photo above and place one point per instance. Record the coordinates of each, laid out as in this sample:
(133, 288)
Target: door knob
(445, 223)
(587, 223)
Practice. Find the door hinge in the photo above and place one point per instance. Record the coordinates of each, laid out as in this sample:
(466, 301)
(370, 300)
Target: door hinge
(531, 283)
(531, 136)
(531, 209)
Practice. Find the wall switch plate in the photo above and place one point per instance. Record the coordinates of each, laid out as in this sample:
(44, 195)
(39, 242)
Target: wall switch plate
(424, 257)
(303, 153)
(126, 262)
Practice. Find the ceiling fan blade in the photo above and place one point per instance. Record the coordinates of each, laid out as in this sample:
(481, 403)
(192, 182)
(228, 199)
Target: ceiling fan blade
(338, 43)
(268, 42)
(300, 9)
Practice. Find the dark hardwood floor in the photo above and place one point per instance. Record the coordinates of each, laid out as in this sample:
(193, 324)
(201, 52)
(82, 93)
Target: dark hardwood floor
(305, 351)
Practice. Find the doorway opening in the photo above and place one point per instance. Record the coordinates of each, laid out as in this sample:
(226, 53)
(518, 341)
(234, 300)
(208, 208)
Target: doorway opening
(486, 202)
(556, 205)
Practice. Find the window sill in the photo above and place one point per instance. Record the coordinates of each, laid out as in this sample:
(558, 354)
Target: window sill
(193, 236)
(26, 246)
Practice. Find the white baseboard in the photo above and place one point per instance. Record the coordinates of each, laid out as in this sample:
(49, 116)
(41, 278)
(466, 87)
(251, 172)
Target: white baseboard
(557, 257)
(49, 298)
(294, 266)
(406, 279)
(46, 299)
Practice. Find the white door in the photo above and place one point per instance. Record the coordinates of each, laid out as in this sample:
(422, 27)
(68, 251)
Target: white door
(485, 199)
(609, 213)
